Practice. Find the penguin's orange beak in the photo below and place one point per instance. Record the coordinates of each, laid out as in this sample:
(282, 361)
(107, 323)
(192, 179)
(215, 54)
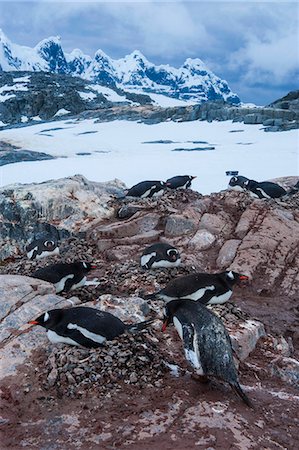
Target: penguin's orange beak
(164, 326)
(33, 322)
(244, 278)
(93, 266)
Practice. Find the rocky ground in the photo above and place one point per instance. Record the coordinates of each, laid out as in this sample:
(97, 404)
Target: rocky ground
(137, 391)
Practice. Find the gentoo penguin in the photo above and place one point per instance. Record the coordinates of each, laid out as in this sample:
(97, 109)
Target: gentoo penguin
(84, 326)
(207, 288)
(180, 182)
(294, 189)
(207, 344)
(237, 183)
(41, 248)
(264, 189)
(147, 189)
(160, 255)
(65, 277)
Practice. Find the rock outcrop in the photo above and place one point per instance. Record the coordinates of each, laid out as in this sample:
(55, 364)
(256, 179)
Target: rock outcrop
(59, 207)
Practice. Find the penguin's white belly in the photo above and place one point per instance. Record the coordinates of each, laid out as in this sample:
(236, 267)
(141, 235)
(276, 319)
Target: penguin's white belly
(29, 254)
(146, 193)
(253, 195)
(165, 263)
(263, 193)
(159, 193)
(46, 253)
(192, 354)
(59, 286)
(145, 258)
(80, 284)
(200, 293)
(236, 188)
(56, 339)
(220, 299)
(88, 334)
(195, 296)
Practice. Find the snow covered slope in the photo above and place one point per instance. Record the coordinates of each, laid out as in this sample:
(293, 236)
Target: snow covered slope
(193, 82)
(133, 152)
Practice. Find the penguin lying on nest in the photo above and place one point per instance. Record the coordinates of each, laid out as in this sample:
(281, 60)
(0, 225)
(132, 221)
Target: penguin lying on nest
(147, 189)
(180, 182)
(41, 248)
(207, 288)
(206, 342)
(160, 255)
(84, 326)
(264, 189)
(65, 277)
(236, 183)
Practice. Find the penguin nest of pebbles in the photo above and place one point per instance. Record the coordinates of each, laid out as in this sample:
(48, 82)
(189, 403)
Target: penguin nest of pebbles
(76, 372)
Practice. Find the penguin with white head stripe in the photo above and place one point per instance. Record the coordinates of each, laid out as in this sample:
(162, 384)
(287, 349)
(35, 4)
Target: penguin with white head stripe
(41, 248)
(180, 182)
(65, 277)
(84, 326)
(264, 189)
(207, 288)
(147, 189)
(207, 345)
(236, 183)
(160, 255)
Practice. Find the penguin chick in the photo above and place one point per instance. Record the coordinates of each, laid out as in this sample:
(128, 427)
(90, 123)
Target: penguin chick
(160, 255)
(65, 277)
(84, 326)
(180, 182)
(207, 345)
(207, 288)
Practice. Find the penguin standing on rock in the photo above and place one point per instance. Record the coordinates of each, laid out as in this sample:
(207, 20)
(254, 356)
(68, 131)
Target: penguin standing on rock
(160, 255)
(180, 182)
(207, 344)
(264, 189)
(41, 248)
(65, 277)
(83, 326)
(214, 288)
(147, 189)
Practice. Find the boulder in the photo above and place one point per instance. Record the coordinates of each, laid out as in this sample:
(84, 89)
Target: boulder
(177, 225)
(23, 299)
(227, 253)
(69, 203)
(202, 240)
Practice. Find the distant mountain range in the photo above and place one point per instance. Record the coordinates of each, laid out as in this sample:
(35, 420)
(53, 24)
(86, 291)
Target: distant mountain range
(193, 82)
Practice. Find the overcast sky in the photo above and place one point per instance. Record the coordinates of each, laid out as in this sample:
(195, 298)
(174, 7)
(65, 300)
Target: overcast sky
(253, 45)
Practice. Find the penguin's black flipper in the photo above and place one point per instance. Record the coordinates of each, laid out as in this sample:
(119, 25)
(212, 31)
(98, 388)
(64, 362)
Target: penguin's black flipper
(237, 388)
(132, 328)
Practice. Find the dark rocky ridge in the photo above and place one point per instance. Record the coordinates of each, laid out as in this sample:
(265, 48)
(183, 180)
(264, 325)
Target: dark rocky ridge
(48, 93)
(10, 154)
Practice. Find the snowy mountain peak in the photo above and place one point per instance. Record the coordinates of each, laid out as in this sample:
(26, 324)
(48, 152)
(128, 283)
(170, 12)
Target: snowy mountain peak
(3, 37)
(100, 55)
(136, 54)
(195, 63)
(192, 82)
